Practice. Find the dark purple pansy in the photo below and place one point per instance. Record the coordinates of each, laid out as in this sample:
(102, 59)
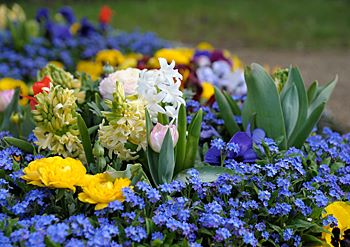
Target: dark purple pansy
(67, 14)
(42, 15)
(245, 141)
(86, 28)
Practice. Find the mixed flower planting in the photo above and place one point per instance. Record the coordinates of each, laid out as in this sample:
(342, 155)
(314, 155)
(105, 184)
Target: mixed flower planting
(121, 139)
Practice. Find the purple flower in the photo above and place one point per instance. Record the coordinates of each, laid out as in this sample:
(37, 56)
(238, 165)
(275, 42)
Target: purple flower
(244, 153)
(67, 13)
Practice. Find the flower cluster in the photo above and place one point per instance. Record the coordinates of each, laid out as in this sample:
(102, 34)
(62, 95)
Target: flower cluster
(56, 122)
(126, 125)
(161, 87)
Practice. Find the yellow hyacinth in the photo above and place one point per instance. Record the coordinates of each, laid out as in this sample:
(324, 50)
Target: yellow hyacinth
(341, 211)
(127, 124)
(56, 121)
(10, 83)
(55, 172)
(100, 190)
(59, 76)
(111, 57)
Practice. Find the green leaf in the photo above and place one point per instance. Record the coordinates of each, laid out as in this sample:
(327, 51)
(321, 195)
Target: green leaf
(85, 139)
(323, 95)
(152, 157)
(132, 171)
(166, 162)
(226, 113)
(92, 129)
(181, 143)
(294, 78)
(299, 139)
(206, 173)
(312, 92)
(233, 104)
(263, 99)
(21, 144)
(290, 108)
(194, 131)
(310, 239)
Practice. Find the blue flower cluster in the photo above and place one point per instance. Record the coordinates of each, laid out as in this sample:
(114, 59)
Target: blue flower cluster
(56, 43)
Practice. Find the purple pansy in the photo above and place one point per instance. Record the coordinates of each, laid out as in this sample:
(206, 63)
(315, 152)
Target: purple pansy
(244, 153)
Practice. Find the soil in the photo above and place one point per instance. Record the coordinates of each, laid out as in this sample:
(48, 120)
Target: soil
(318, 65)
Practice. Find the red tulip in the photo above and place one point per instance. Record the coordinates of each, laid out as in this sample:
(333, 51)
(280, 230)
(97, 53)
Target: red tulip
(105, 14)
(38, 88)
(39, 85)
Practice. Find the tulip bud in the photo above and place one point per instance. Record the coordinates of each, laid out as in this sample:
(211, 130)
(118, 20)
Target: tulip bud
(158, 134)
(5, 99)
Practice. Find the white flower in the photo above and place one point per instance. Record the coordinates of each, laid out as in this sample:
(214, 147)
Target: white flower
(128, 77)
(161, 90)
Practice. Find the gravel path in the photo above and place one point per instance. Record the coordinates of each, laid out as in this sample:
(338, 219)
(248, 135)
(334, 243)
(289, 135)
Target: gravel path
(321, 66)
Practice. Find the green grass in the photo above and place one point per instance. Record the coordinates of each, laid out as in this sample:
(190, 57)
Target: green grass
(271, 24)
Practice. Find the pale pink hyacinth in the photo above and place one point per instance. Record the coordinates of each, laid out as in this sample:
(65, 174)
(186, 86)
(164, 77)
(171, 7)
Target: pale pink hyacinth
(5, 98)
(158, 134)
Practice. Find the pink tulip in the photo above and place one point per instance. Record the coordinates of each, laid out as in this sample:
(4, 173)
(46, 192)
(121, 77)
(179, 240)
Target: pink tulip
(158, 134)
(5, 99)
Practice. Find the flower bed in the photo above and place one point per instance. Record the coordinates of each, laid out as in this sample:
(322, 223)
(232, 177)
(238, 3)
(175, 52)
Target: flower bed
(179, 149)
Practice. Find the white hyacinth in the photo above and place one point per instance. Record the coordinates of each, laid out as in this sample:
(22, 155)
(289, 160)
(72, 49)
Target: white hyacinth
(160, 89)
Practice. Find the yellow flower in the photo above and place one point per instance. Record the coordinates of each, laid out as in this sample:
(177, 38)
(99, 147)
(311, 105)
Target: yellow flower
(208, 90)
(55, 172)
(100, 190)
(205, 46)
(341, 211)
(10, 83)
(74, 28)
(236, 63)
(57, 64)
(179, 55)
(91, 68)
(111, 57)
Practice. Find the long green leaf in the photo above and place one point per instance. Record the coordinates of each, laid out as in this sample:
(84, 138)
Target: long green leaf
(152, 157)
(233, 104)
(299, 139)
(323, 95)
(166, 162)
(85, 139)
(294, 78)
(21, 144)
(263, 99)
(226, 113)
(194, 131)
(181, 143)
(312, 92)
(290, 108)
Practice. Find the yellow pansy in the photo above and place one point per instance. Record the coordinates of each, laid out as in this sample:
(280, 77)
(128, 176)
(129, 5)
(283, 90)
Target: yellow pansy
(236, 63)
(100, 190)
(55, 172)
(10, 83)
(111, 57)
(179, 55)
(341, 211)
(91, 68)
(208, 90)
(205, 46)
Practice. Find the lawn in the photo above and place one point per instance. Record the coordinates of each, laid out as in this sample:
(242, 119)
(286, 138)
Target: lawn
(271, 24)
